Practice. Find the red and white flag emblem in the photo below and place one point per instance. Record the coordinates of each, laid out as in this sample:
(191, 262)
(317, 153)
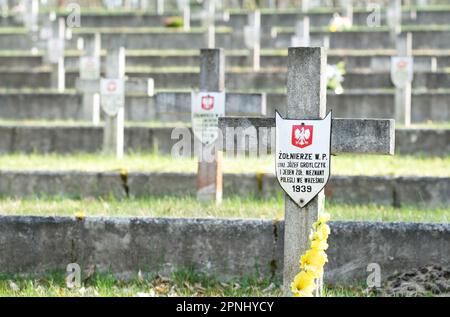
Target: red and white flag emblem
(207, 102)
(302, 135)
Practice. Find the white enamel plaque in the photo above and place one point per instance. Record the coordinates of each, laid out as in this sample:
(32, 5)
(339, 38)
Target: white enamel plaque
(302, 161)
(112, 95)
(206, 108)
(89, 67)
(251, 36)
(55, 49)
(401, 70)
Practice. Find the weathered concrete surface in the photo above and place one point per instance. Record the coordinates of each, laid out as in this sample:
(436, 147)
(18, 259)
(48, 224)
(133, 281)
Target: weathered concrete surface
(347, 136)
(428, 192)
(222, 247)
(136, 39)
(88, 138)
(430, 106)
(381, 61)
(238, 20)
(242, 80)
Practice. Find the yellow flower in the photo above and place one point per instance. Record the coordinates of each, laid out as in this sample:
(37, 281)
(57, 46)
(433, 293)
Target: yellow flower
(321, 233)
(313, 262)
(324, 218)
(80, 215)
(303, 284)
(333, 28)
(303, 293)
(319, 245)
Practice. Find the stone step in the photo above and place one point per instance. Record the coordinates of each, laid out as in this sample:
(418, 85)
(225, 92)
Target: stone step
(431, 106)
(48, 138)
(227, 249)
(438, 38)
(244, 79)
(364, 61)
(430, 192)
(288, 18)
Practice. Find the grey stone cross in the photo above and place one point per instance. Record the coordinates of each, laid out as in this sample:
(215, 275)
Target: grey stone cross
(212, 79)
(306, 99)
(113, 134)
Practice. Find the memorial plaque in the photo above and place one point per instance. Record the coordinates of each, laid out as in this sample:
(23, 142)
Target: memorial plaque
(303, 156)
(112, 95)
(89, 67)
(401, 70)
(206, 108)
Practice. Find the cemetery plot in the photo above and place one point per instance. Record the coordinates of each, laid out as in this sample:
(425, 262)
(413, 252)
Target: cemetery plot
(55, 94)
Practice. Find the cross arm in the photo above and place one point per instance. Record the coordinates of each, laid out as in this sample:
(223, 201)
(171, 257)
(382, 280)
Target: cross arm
(132, 86)
(235, 103)
(375, 136)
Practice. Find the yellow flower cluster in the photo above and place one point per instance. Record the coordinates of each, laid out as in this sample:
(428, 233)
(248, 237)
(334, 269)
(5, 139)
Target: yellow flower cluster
(313, 261)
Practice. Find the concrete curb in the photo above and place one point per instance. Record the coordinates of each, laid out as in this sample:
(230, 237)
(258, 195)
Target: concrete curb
(88, 138)
(428, 192)
(224, 247)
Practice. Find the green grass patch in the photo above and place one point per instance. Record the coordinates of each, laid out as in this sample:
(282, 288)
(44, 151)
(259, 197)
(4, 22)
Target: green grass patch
(348, 164)
(188, 207)
(185, 283)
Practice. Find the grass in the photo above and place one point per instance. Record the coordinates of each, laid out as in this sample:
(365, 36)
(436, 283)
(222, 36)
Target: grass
(348, 164)
(188, 207)
(181, 283)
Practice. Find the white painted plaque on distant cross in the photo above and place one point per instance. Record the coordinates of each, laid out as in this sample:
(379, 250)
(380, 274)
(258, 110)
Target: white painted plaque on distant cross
(251, 36)
(89, 67)
(401, 70)
(303, 156)
(55, 49)
(206, 108)
(112, 95)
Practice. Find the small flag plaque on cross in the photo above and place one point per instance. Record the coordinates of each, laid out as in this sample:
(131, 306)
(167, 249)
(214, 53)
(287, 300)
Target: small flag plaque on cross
(302, 160)
(207, 107)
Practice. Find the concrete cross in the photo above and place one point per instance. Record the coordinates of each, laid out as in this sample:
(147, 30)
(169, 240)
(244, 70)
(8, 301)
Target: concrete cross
(347, 6)
(252, 37)
(184, 6)
(208, 23)
(160, 7)
(31, 15)
(302, 33)
(113, 134)
(402, 70)
(306, 99)
(90, 71)
(55, 53)
(212, 79)
(394, 18)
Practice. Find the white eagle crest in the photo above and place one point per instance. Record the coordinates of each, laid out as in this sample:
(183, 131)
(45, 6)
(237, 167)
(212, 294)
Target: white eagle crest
(302, 135)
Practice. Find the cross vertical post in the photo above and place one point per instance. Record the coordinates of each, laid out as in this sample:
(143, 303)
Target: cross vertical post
(403, 92)
(348, 10)
(394, 18)
(254, 38)
(209, 175)
(306, 99)
(159, 7)
(55, 52)
(186, 16)
(113, 134)
(209, 24)
(91, 99)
